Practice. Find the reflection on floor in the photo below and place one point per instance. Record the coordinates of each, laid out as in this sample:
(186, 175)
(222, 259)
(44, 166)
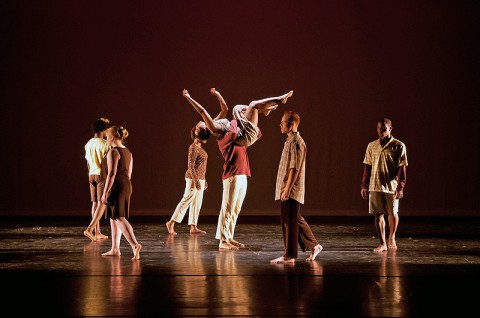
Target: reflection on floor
(48, 267)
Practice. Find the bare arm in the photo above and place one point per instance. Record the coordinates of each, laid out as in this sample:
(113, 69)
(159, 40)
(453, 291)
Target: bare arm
(203, 112)
(402, 180)
(112, 162)
(367, 171)
(223, 106)
(130, 168)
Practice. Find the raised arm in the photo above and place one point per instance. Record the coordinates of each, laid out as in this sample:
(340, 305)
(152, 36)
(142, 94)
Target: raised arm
(209, 122)
(223, 106)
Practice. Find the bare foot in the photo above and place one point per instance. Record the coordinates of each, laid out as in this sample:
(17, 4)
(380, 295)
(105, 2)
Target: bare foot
(286, 97)
(112, 253)
(170, 224)
(227, 246)
(101, 237)
(392, 243)
(237, 244)
(380, 248)
(89, 235)
(282, 260)
(136, 251)
(196, 230)
(317, 249)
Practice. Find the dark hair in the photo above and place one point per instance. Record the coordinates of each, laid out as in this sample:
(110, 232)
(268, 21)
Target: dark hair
(385, 120)
(100, 125)
(203, 133)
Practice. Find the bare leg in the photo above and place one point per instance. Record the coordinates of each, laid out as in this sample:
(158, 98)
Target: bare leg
(95, 220)
(127, 230)
(380, 227)
(317, 249)
(98, 232)
(94, 207)
(251, 114)
(195, 230)
(266, 105)
(116, 233)
(392, 224)
(89, 231)
(170, 225)
(281, 260)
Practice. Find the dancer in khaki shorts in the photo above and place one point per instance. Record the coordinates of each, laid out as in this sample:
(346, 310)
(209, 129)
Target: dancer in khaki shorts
(383, 181)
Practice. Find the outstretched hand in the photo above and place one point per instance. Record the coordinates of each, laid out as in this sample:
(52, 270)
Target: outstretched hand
(214, 91)
(185, 93)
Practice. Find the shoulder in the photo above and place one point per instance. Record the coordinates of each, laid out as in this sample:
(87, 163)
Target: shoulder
(372, 144)
(91, 142)
(113, 151)
(116, 152)
(297, 139)
(398, 143)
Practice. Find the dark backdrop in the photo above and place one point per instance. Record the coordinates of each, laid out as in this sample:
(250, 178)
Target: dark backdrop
(67, 63)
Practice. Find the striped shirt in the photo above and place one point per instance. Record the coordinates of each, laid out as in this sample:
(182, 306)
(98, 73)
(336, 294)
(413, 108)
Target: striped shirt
(385, 162)
(293, 157)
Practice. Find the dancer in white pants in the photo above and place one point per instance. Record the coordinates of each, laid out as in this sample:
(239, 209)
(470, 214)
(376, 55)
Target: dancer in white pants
(195, 182)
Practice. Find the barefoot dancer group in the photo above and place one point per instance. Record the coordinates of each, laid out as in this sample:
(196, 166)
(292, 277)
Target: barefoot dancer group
(383, 179)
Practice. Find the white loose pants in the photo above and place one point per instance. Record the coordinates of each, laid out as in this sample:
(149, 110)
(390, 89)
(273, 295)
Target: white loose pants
(234, 191)
(192, 198)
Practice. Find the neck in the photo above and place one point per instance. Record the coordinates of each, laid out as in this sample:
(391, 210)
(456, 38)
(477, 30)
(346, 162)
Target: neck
(117, 143)
(384, 140)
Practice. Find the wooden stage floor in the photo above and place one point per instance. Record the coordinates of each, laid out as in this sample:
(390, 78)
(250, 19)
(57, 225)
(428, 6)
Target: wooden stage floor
(48, 268)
